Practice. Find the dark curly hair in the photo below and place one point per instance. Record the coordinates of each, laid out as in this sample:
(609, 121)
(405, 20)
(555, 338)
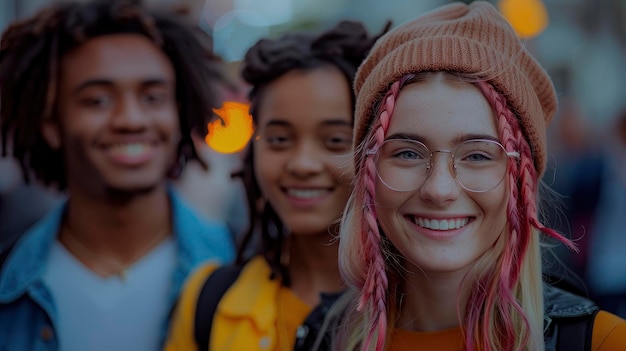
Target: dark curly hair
(344, 47)
(31, 52)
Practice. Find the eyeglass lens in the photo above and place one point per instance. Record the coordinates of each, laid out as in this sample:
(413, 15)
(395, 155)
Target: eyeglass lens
(478, 165)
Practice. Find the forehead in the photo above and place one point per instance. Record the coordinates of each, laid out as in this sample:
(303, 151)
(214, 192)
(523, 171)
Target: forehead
(117, 57)
(440, 110)
(307, 98)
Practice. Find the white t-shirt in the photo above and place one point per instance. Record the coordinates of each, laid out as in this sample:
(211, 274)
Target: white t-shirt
(96, 313)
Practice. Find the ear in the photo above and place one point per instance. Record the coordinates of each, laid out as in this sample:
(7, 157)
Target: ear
(51, 134)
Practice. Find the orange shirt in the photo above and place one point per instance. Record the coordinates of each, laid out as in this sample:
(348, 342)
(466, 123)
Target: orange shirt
(609, 334)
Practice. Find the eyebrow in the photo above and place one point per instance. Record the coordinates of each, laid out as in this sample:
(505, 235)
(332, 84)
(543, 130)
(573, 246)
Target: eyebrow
(109, 83)
(326, 123)
(338, 122)
(457, 140)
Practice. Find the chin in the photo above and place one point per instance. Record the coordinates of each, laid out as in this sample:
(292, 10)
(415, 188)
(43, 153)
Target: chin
(312, 229)
(122, 192)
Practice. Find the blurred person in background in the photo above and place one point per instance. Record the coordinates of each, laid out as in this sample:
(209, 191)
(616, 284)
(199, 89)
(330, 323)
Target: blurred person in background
(572, 173)
(591, 177)
(298, 177)
(606, 259)
(21, 204)
(216, 191)
(99, 99)
(213, 185)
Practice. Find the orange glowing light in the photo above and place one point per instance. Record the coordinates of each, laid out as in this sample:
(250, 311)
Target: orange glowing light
(233, 132)
(528, 17)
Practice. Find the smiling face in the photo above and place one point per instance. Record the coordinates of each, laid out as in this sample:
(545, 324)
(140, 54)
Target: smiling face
(302, 158)
(440, 226)
(118, 121)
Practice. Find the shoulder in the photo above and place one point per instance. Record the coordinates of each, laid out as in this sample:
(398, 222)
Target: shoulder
(200, 238)
(187, 218)
(252, 273)
(609, 332)
(181, 332)
(559, 303)
(253, 290)
(253, 278)
(25, 259)
(192, 288)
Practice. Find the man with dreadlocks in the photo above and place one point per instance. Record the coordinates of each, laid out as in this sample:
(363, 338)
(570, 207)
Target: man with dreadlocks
(99, 99)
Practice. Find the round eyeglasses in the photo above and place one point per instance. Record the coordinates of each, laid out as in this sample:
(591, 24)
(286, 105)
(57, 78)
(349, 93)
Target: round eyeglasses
(478, 165)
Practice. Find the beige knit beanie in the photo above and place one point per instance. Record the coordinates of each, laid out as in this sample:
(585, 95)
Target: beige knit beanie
(472, 38)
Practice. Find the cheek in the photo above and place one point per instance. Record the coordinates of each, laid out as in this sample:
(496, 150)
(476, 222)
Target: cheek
(169, 121)
(267, 169)
(388, 203)
(387, 199)
(495, 205)
(342, 170)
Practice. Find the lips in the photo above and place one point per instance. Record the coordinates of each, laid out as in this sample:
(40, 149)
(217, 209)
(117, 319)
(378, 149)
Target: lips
(441, 224)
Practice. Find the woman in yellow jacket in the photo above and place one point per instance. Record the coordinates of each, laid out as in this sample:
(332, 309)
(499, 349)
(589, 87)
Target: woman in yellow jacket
(298, 174)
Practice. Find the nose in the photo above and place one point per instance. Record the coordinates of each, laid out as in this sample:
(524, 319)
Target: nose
(440, 186)
(129, 115)
(305, 161)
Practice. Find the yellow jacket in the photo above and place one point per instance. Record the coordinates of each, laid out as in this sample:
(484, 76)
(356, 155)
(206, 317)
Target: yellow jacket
(244, 318)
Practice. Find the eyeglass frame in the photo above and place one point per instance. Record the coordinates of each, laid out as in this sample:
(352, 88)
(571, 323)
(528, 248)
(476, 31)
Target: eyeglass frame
(509, 154)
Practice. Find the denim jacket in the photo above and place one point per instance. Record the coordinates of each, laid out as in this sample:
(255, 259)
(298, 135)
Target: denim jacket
(27, 310)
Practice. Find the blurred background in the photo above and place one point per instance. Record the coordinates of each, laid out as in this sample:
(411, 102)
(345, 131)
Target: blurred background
(582, 45)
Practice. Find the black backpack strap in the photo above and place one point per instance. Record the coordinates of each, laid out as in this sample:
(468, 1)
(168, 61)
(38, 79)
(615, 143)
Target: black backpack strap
(575, 333)
(569, 320)
(214, 287)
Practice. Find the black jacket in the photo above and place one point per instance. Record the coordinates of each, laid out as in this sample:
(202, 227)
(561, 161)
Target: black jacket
(568, 320)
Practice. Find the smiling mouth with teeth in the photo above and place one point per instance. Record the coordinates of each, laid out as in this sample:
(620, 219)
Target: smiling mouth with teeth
(307, 193)
(441, 224)
(130, 149)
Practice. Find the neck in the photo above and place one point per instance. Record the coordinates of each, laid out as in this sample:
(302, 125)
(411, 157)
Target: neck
(313, 266)
(118, 229)
(430, 303)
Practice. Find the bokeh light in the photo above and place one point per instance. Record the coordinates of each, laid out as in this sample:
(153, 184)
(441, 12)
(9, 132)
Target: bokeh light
(232, 133)
(528, 17)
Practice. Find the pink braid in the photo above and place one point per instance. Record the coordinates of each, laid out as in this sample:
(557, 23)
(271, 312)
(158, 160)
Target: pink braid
(520, 231)
(498, 299)
(528, 174)
(374, 289)
(522, 217)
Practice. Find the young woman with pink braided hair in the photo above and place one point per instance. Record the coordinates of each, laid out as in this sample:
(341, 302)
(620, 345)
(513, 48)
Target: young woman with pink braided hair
(440, 240)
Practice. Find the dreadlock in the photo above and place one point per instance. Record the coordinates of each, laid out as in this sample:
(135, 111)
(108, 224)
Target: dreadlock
(344, 47)
(31, 52)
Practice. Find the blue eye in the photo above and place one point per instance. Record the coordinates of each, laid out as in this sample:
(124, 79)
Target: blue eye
(410, 155)
(407, 155)
(477, 157)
